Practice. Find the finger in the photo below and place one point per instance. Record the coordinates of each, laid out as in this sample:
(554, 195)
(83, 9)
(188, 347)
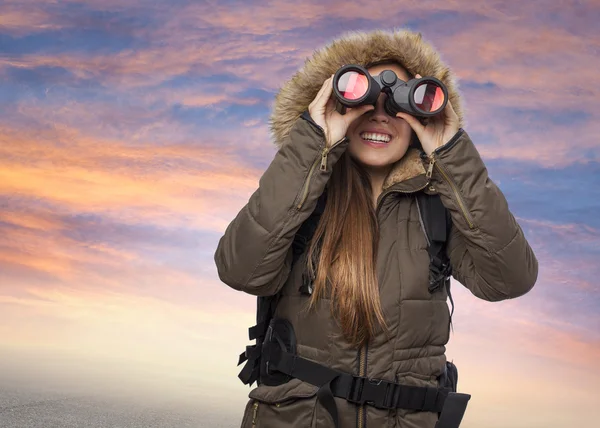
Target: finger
(450, 112)
(447, 117)
(412, 121)
(323, 88)
(330, 104)
(418, 76)
(325, 93)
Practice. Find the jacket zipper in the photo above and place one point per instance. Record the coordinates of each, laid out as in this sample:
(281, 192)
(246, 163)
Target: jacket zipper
(325, 151)
(323, 160)
(363, 352)
(254, 413)
(362, 371)
(457, 195)
(306, 183)
(363, 360)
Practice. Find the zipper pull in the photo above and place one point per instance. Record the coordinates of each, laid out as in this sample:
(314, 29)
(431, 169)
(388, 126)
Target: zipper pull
(430, 169)
(324, 159)
(326, 150)
(255, 410)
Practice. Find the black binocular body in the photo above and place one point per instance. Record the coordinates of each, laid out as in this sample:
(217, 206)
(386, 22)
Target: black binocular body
(354, 86)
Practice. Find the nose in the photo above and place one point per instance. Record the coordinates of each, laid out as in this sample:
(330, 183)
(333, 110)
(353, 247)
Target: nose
(378, 114)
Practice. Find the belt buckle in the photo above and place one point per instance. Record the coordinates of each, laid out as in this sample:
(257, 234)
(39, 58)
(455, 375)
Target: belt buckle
(378, 394)
(365, 387)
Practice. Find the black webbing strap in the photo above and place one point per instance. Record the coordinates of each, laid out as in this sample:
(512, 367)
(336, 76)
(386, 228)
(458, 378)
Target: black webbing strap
(251, 371)
(437, 223)
(265, 307)
(360, 390)
(454, 410)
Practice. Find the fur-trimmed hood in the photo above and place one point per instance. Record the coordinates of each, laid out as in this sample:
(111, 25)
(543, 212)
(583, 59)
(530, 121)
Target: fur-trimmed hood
(356, 47)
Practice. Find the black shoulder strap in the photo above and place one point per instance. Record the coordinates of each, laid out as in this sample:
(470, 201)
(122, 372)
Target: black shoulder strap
(436, 223)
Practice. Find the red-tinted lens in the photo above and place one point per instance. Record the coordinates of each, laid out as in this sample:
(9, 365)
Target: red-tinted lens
(429, 97)
(352, 85)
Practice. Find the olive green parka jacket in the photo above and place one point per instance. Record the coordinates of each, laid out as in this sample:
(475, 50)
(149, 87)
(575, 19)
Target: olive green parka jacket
(487, 249)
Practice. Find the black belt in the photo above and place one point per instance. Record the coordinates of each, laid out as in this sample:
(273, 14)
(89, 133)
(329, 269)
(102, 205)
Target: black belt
(378, 393)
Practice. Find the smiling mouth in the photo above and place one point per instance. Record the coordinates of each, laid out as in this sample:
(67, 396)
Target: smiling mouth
(376, 137)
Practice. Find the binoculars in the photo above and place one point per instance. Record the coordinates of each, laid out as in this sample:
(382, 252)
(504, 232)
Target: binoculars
(353, 86)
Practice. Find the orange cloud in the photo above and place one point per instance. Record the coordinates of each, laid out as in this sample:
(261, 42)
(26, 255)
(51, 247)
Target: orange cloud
(185, 200)
(38, 241)
(166, 187)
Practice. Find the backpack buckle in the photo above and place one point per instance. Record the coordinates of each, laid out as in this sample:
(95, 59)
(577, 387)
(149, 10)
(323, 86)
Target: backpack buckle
(369, 391)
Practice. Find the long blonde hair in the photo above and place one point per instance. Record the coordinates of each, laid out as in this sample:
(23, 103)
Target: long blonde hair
(344, 249)
(342, 256)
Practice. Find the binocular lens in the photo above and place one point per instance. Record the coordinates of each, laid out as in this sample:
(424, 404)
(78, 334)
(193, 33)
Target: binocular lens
(352, 85)
(428, 96)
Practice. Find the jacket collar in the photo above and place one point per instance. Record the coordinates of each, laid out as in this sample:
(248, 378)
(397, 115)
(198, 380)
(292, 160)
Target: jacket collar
(408, 174)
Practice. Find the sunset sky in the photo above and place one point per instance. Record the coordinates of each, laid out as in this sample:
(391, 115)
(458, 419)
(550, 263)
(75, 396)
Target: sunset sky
(133, 131)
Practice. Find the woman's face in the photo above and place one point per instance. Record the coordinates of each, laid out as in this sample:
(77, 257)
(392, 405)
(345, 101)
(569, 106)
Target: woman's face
(393, 134)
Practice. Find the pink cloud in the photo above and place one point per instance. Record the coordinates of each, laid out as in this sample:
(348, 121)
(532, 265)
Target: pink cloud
(20, 22)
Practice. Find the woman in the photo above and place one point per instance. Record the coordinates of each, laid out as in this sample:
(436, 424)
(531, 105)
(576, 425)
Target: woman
(368, 312)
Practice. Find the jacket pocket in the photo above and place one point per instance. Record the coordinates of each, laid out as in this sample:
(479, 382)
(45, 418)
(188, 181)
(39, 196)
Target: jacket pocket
(288, 405)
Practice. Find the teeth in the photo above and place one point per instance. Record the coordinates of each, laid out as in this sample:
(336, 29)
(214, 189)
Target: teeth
(375, 137)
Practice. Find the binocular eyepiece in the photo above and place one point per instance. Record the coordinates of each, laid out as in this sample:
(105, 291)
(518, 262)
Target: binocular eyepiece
(354, 86)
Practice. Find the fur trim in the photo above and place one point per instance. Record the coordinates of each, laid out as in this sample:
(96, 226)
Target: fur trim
(358, 47)
(410, 165)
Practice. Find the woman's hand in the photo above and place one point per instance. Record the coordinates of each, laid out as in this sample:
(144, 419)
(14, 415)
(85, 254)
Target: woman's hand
(323, 113)
(438, 130)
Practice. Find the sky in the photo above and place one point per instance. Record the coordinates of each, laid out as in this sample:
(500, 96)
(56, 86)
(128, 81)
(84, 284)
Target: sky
(133, 131)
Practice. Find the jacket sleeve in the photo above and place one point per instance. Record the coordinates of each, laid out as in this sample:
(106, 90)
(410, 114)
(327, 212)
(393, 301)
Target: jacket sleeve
(488, 251)
(254, 255)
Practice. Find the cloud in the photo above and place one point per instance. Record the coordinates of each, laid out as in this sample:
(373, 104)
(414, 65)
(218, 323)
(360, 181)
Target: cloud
(509, 65)
(77, 205)
(22, 22)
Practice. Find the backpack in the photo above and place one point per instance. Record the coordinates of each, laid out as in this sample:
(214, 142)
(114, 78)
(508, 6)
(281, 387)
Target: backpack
(435, 222)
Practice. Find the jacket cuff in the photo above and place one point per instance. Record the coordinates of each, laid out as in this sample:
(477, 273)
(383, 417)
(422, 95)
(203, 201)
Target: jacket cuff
(451, 143)
(306, 116)
(305, 139)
